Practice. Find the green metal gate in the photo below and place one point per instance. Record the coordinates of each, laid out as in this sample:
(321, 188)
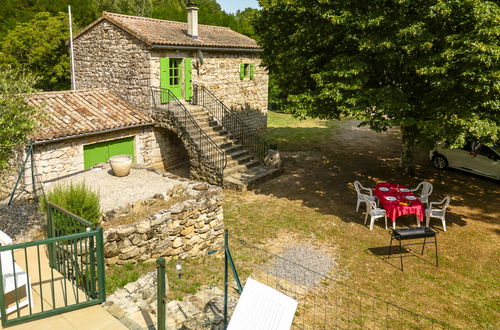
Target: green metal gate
(64, 273)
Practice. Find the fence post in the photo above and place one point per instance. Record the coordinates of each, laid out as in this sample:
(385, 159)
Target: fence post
(101, 282)
(50, 234)
(160, 293)
(225, 276)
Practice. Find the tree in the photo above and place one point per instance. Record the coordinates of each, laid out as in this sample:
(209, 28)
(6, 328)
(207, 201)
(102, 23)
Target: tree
(429, 67)
(39, 46)
(17, 118)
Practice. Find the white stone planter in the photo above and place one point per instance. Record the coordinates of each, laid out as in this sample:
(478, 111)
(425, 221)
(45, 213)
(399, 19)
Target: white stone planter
(121, 164)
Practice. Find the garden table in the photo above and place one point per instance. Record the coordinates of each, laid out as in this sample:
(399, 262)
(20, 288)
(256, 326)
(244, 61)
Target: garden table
(398, 200)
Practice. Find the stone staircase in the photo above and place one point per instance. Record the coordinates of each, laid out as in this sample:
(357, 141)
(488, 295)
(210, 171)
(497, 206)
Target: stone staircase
(242, 169)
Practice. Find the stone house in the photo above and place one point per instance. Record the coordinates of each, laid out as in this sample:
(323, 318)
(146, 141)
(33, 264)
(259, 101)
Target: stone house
(129, 55)
(204, 84)
(82, 128)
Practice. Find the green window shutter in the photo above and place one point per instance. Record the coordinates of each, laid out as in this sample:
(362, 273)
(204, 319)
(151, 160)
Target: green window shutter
(242, 71)
(164, 77)
(251, 71)
(187, 79)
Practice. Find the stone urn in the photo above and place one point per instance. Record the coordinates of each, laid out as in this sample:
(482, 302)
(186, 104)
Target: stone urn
(121, 164)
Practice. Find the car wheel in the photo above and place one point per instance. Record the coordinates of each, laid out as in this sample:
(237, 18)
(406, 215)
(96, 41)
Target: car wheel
(440, 162)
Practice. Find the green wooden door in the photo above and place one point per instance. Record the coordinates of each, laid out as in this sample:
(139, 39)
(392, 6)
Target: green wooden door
(170, 75)
(102, 151)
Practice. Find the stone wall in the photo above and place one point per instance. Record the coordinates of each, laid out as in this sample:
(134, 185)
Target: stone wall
(106, 56)
(201, 169)
(220, 73)
(153, 148)
(189, 228)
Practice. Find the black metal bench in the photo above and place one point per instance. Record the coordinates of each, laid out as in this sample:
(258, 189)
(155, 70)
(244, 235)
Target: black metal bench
(413, 233)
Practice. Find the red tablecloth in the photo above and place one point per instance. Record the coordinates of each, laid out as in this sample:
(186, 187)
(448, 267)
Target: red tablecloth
(393, 208)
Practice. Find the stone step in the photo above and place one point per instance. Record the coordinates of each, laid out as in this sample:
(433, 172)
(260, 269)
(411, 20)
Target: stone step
(244, 179)
(212, 133)
(234, 166)
(237, 154)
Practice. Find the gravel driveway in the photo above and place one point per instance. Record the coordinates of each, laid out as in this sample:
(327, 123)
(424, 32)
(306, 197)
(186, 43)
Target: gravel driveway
(117, 192)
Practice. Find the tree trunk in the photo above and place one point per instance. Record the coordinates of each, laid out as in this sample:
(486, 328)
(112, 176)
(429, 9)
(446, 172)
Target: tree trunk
(408, 134)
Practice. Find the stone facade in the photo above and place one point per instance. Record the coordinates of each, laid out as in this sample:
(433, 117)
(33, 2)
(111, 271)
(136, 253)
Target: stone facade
(188, 229)
(220, 74)
(155, 148)
(106, 56)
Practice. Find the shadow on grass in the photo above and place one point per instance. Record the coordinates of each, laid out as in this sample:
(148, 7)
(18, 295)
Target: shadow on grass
(321, 164)
(382, 253)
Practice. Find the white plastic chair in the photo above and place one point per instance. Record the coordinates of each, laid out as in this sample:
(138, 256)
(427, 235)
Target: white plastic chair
(14, 278)
(438, 213)
(374, 212)
(426, 191)
(361, 196)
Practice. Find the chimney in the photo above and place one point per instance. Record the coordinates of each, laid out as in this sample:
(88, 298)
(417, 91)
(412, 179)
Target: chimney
(192, 11)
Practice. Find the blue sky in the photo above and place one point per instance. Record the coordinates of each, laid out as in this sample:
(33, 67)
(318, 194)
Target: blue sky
(231, 6)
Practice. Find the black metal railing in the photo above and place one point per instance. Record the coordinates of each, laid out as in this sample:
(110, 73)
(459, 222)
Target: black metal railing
(165, 100)
(240, 131)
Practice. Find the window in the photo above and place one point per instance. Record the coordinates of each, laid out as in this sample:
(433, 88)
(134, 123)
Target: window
(246, 71)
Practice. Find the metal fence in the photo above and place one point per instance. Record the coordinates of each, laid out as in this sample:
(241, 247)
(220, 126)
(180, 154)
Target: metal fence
(165, 101)
(55, 275)
(240, 131)
(323, 301)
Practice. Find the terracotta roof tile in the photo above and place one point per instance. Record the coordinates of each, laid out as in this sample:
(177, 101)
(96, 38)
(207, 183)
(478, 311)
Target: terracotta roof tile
(71, 113)
(162, 32)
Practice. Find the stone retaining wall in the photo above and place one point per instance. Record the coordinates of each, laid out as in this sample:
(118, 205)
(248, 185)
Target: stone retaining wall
(189, 228)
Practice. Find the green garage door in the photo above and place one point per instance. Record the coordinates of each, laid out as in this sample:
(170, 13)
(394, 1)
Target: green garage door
(101, 152)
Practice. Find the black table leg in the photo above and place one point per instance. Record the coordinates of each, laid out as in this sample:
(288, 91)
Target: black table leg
(423, 246)
(390, 247)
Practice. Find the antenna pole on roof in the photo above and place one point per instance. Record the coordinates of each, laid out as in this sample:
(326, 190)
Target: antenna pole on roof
(73, 83)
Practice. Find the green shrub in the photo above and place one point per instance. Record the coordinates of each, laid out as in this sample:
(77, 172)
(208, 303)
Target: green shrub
(78, 199)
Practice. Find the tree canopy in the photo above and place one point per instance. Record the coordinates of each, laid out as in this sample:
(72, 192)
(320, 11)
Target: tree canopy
(39, 46)
(17, 118)
(33, 35)
(429, 67)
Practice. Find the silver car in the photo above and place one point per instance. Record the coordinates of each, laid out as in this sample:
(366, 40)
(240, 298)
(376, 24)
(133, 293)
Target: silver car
(473, 157)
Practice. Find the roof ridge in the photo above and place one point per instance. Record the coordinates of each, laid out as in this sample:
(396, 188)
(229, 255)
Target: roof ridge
(106, 13)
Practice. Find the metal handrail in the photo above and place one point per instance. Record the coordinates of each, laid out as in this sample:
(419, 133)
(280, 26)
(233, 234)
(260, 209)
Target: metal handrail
(231, 122)
(164, 99)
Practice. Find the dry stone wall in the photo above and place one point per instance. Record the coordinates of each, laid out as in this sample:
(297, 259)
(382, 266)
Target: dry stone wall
(188, 229)
(201, 168)
(106, 56)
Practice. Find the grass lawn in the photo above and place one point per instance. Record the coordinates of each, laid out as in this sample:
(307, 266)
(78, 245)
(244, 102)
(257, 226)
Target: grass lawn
(313, 201)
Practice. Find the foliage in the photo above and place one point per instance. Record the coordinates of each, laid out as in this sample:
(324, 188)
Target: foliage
(76, 198)
(17, 118)
(34, 35)
(40, 47)
(429, 67)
